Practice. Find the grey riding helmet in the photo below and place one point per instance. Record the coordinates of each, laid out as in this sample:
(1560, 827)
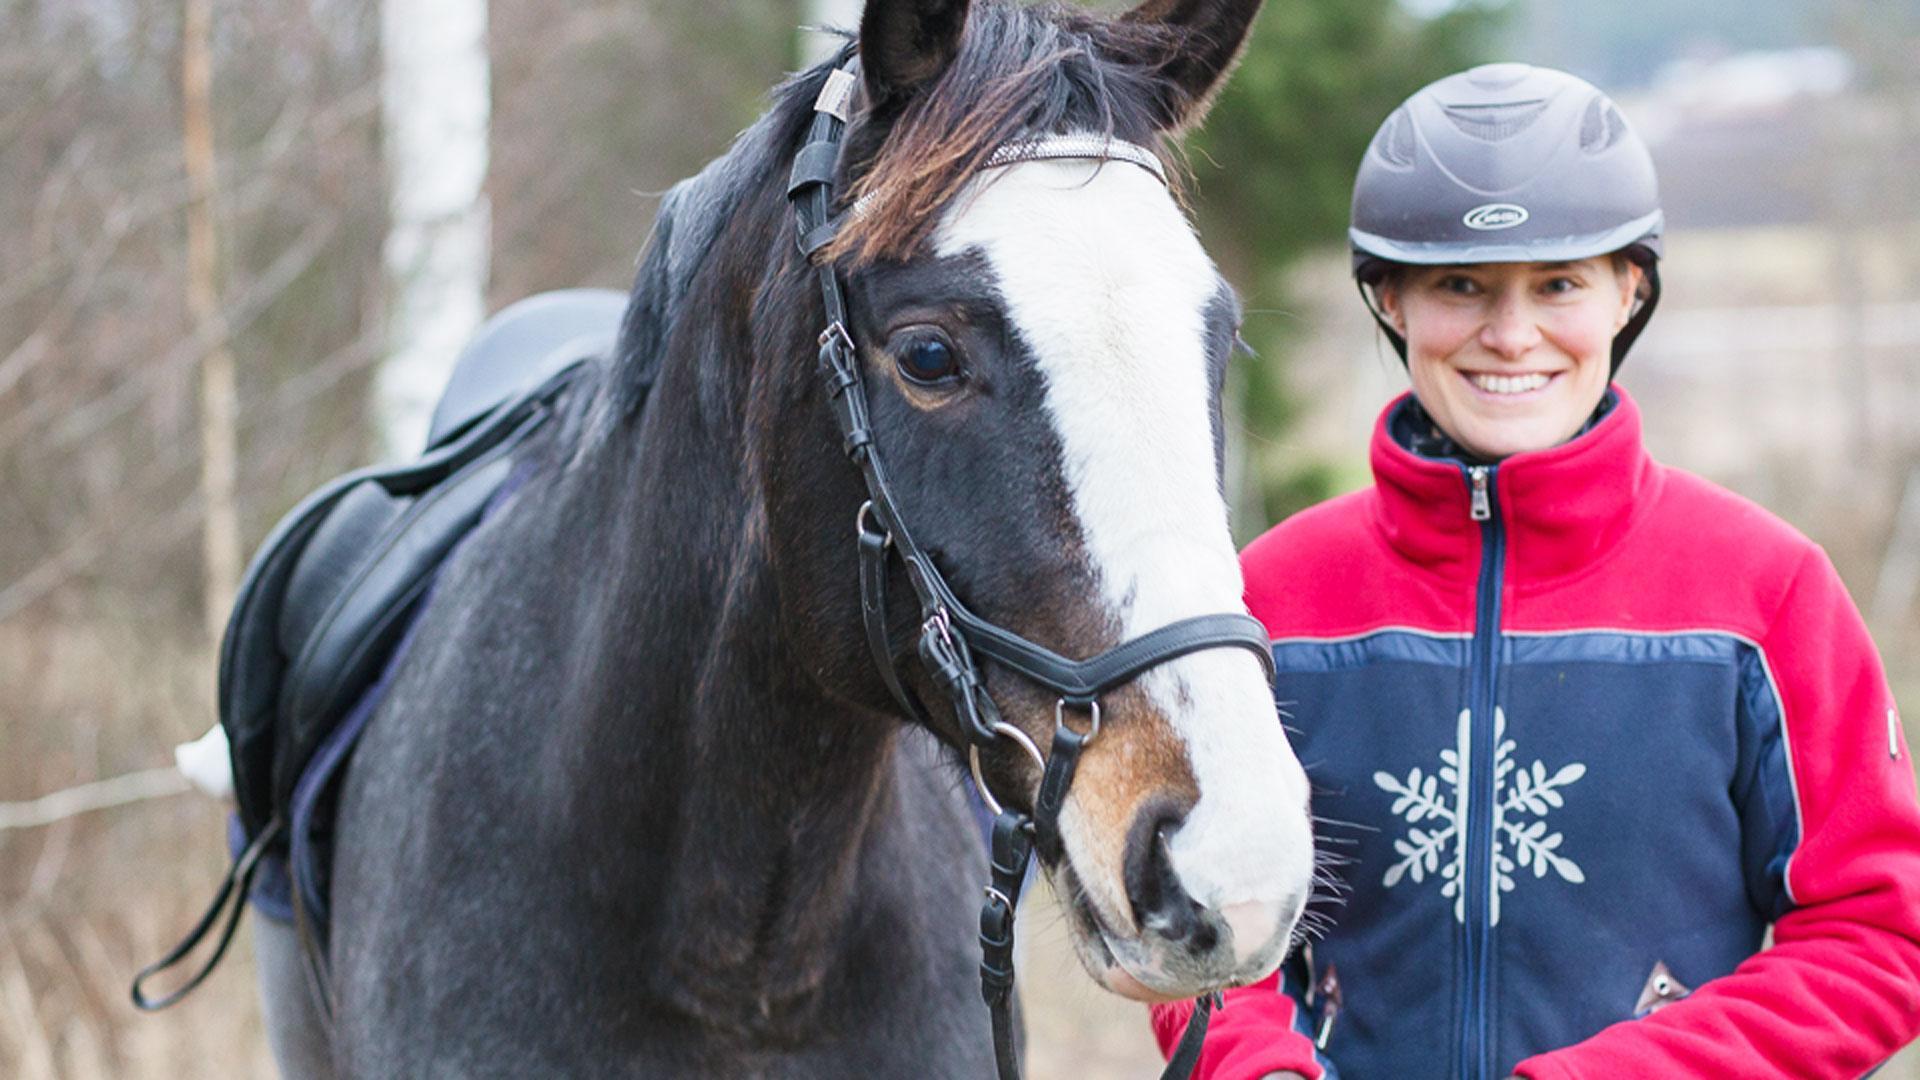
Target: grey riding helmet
(1506, 163)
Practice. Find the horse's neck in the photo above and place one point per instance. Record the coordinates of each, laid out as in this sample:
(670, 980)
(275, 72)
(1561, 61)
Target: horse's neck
(724, 796)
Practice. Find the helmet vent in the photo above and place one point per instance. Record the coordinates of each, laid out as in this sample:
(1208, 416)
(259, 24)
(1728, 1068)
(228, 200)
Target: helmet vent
(1601, 127)
(1495, 123)
(1395, 143)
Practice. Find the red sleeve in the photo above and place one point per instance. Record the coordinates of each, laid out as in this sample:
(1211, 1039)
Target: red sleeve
(1839, 991)
(1247, 1038)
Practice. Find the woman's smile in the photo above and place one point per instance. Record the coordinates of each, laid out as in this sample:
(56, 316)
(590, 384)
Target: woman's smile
(1507, 387)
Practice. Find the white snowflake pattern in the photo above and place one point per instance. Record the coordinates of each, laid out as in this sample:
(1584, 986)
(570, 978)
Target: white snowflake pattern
(1437, 819)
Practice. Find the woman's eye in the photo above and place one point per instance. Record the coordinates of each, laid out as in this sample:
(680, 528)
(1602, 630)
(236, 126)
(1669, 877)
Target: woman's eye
(1561, 285)
(1457, 285)
(927, 359)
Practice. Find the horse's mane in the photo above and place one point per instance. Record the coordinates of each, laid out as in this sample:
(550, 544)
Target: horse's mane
(688, 224)
(1020, 70)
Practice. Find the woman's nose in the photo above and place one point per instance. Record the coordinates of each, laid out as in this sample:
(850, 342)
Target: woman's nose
(1510, 331)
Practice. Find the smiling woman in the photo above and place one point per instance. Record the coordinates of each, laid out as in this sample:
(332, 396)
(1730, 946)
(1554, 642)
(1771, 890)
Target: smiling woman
(1589, 725)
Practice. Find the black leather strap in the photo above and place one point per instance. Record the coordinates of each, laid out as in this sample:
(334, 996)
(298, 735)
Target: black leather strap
(233, 888)
(1186, 1055)
(1055, 781)
(1012, 855)
(814, 164)
(873, 611)
(1081, 681)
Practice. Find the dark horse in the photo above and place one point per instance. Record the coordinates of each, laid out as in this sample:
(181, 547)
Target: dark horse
(637, 801)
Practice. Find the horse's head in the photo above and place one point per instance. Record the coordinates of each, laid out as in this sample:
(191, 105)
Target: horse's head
(1043, 345)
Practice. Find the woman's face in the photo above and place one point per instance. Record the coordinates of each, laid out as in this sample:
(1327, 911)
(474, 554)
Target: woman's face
(1510, 357)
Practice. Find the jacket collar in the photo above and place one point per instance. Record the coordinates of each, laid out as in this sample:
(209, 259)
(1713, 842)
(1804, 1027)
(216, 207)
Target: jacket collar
(1561, 508)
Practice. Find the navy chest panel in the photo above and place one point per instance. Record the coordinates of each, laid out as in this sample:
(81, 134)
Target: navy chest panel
(1640, 813)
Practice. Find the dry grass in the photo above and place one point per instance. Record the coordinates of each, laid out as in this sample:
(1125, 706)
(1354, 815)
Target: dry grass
(84, 903)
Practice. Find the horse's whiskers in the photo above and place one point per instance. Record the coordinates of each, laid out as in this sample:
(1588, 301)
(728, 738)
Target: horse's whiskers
(1319, 820)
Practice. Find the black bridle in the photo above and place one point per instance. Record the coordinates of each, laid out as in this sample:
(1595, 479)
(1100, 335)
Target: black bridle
(952, 637)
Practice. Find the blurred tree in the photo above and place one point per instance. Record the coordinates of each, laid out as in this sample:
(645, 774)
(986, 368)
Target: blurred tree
(1274, 169)
(100, 454)
(434, 110)
(219, 430)
(598, 108)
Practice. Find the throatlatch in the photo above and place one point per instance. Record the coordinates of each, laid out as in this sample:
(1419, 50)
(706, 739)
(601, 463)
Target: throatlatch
(951, 636)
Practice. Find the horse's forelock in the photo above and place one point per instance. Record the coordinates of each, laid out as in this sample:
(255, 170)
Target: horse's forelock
(1020, 71)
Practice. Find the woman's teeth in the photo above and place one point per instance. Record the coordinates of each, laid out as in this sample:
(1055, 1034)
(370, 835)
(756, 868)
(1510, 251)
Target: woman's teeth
(1509, 384)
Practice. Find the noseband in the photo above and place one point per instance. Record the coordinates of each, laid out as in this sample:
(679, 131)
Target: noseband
(952, 637)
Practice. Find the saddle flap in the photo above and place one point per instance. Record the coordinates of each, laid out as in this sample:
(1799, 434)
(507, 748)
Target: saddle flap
(332, 558)
(366, 569)
(251, 660)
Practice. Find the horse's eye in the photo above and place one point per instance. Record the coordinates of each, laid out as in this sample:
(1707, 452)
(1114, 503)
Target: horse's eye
(927, 358)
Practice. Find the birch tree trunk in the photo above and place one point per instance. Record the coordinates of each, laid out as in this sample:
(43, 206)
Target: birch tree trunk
(814, 46)
(220, 527)
(435, 108)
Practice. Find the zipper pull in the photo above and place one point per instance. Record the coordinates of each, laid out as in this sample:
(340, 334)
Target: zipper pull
(1482, 499)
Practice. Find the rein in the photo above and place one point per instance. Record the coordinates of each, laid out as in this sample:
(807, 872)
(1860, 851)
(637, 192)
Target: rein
(951, 637)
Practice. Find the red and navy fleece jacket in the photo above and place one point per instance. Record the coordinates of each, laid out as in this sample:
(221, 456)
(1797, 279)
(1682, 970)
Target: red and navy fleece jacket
(1570, 720)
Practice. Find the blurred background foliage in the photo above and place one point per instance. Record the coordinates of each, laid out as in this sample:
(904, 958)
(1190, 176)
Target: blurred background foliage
(1783, 364)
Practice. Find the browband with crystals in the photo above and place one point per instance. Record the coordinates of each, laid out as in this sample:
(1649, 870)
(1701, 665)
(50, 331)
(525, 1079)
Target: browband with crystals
(1084, 146)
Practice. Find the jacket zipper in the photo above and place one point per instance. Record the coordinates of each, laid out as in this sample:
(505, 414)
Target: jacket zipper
(1475, 1042)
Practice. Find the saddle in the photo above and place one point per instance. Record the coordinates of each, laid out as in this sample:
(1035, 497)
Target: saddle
(334, 587)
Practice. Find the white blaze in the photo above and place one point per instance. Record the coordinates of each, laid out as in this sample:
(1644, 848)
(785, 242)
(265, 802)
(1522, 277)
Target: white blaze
(1107, 284)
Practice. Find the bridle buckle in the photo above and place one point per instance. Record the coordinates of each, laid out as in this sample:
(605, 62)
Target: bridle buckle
(865, 524)
(939, 623)
(836, 334)
(1093, 713)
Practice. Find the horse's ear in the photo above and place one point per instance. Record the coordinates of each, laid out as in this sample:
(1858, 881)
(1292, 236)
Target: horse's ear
(906, 44)
(1204, 38)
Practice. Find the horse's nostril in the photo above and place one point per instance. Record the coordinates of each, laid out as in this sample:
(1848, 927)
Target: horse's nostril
(1160, 903)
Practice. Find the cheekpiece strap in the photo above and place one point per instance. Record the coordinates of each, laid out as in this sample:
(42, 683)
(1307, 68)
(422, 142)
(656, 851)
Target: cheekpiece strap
(1063, 757)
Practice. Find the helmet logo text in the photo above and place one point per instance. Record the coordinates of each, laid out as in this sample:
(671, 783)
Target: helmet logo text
(1495, 216)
